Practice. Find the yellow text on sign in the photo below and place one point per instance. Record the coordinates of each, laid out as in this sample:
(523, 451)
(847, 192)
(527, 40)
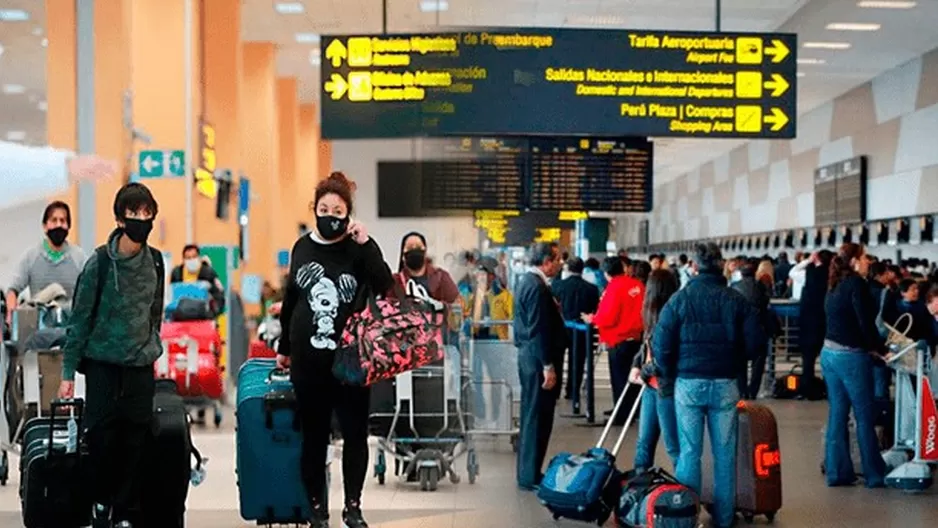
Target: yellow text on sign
(205, 182)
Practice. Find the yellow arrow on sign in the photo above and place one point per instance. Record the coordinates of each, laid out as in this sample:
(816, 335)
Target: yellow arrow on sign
(777, 119)
(336, 52)
(778, 85)
(778, 51)
(336, 87)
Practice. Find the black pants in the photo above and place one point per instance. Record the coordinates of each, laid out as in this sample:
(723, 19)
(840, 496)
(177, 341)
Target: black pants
(809, 355)
(537, 420)
(119, 419)
(620, 363)
(318, 395)
(577, 361)
(750, 384)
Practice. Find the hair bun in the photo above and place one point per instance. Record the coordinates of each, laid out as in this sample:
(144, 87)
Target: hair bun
(340, 178)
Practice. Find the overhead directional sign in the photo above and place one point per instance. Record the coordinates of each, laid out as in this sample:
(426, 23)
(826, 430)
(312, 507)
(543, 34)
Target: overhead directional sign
(162, 163)
(560, 82)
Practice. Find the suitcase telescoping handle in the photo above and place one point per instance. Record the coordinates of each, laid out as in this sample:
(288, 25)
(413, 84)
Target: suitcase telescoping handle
(76, 410)
(628, 421)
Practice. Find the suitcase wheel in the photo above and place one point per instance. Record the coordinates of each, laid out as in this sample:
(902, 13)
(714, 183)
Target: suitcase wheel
(770, 516)
(4, 469)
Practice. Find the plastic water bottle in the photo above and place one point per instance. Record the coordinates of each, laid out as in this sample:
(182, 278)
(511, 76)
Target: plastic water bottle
(72, 445)
(197, 475)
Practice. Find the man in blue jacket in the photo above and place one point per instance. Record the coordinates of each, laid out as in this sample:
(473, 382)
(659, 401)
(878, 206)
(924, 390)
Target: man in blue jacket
(705, 335)
(541, 340)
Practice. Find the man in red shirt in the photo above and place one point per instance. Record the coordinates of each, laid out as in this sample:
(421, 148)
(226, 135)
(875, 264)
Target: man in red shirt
(619, 322)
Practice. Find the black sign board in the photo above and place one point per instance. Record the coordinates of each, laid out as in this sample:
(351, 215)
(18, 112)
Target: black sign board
(516, 174)
(840, 192)
(560, 82)
(591, 175)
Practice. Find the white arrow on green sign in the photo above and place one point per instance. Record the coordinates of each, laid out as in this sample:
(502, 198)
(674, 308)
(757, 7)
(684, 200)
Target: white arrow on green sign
(162, 163)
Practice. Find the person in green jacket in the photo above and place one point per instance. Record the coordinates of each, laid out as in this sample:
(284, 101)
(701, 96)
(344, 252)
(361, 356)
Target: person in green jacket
(114, 339)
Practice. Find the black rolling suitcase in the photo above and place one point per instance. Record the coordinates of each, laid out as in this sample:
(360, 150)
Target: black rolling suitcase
(53, 477)
(169, 461)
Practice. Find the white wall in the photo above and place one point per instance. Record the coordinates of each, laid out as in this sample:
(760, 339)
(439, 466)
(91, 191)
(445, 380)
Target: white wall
(22, 228)
(358, 160)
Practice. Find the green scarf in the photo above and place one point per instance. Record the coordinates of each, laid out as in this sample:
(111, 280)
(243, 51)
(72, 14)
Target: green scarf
(54, 254)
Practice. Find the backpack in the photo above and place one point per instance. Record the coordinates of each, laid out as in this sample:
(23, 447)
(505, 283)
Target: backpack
(389, 337)
(655, 499)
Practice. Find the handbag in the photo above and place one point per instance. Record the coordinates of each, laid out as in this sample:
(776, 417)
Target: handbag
(390, 336)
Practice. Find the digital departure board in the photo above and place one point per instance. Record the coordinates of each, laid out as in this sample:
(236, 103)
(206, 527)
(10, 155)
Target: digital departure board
(591, 175)
(479, 173)
(840, 192)
(560, 82)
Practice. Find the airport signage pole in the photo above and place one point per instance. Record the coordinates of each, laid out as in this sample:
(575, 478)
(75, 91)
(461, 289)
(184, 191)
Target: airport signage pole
(187, 159)
(85, 117)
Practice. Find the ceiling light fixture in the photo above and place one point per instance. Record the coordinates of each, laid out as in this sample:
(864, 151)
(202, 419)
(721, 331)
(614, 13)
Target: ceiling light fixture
(44, 43)
(434, 6)
(801, 74)
(16, 135)
(13, 15)
(37, 32)
(595, 20)
(852, 26)
(42, 106)
(887, 4)
(315, 57)
(289, 8)
(307, 38)
(805, 60)
(1, 50)
(827, 45)
(13, 89)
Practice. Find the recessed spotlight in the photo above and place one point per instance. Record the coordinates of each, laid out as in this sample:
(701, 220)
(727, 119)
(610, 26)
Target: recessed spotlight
(801, 74)
(42, 106)
(434, 6)
(307, 38)
(1, 50)
(16, 135)
(811, 61)
(852, 26)
(44, 43)
(13, 15)
(827, 45)
(887, 4)
(13, 89)
(37, 32)
(289, 8)
(315, 57)
(594, 20)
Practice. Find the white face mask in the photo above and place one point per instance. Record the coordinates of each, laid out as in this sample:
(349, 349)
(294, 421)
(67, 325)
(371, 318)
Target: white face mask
(193, 265)
(736, 276)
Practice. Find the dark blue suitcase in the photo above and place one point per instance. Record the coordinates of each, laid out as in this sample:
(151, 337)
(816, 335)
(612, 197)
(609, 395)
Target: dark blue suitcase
(268, 447)
(584, 487)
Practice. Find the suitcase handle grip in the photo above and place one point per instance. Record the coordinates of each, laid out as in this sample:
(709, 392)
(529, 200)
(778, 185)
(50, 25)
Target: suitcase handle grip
(278, 374)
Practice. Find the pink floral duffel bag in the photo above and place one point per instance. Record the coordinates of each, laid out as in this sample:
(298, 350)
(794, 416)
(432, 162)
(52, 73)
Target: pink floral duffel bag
(388, 337)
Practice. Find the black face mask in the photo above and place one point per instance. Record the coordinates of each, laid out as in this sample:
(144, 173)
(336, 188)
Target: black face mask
(138, 230)
(415, 259)
(331, 227)
(57, 235)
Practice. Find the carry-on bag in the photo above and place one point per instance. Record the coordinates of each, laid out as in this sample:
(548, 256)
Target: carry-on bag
(655, 499)
(758, 464)
(388, 337)
(169, 461)
(53, 486)
(585, 487)
(191, 351)
(269, 440)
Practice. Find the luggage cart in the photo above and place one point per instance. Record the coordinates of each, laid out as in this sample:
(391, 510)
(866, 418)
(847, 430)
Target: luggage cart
(419, 421)
(786, 343)
(188, 365)
(915, 452)
(492, 389)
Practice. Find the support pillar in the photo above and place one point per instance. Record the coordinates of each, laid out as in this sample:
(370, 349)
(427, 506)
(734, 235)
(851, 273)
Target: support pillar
(61, 71)
(308, 173)
(292, 213)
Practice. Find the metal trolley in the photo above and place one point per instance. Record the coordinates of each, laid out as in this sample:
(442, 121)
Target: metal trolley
(786, 343)
(491, 388)
(419, 420)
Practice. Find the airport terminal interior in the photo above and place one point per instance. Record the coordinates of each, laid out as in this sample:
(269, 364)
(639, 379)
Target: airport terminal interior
(620, 130)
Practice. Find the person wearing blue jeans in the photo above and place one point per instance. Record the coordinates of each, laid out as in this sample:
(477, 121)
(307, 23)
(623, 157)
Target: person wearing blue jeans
(704, 336)
(656, 420)
(713, 400)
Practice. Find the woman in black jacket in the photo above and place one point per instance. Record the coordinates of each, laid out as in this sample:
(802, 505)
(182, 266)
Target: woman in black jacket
(330, 270)
(851, 340)
(758, 295)
(811, 319)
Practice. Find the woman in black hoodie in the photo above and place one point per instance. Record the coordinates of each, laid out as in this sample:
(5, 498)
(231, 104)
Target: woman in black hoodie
(331, 269)
(811, 319)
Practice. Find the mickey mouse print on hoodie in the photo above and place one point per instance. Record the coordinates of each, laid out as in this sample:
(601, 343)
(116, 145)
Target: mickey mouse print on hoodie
(334, 279)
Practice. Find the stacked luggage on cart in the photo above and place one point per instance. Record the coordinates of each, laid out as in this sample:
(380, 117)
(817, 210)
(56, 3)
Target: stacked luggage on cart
(192, 349)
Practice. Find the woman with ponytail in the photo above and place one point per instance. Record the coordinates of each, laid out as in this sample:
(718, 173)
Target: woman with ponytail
(850, 343)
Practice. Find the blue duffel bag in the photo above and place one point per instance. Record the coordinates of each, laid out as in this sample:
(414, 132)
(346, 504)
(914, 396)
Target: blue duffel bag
(269, 441)
(586, 487)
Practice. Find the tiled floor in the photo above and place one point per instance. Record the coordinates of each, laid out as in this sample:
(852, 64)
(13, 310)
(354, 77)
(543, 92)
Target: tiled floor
(494, 502)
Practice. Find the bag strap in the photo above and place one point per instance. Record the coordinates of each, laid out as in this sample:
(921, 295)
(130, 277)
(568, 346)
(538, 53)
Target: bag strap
(103, 260)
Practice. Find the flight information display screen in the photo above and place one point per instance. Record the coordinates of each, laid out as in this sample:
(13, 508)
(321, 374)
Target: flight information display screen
(582, 82)
(840, 192)
(480, 173)
(591, 175)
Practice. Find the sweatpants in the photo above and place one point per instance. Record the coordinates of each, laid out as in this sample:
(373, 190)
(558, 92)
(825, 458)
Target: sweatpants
(318, 395)
(119, 420)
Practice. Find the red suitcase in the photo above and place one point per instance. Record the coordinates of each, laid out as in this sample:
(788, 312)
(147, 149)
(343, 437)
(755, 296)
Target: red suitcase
(758, 464)
(191, 358)
(259, 349)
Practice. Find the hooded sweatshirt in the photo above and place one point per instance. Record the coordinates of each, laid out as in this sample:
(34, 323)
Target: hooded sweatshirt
(126, 330)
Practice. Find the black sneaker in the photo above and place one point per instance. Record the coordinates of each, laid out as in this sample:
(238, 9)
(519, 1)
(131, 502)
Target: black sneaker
(352, 516)
(124, 524)
(100, 516)
(320, 516)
